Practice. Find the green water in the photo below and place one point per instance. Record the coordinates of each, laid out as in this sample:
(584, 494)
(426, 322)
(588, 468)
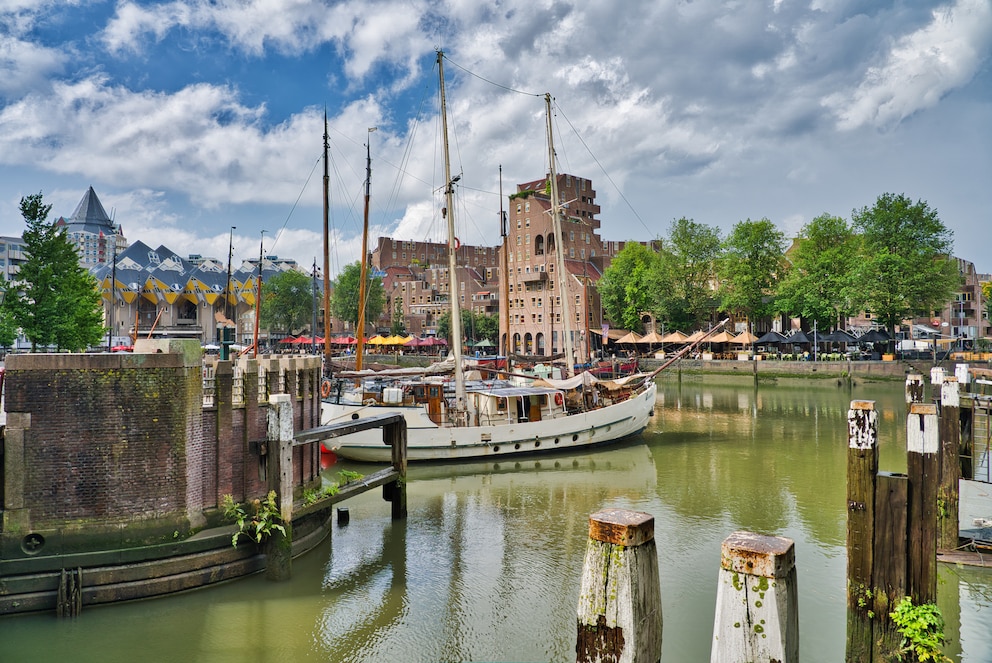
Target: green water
(487, 565)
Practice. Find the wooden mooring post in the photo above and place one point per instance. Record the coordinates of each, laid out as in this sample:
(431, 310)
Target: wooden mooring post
(914, 388)
(891, 530)
(757, 601)
(922, 443)
(619, 613)
(948, 499)
(862, 470)
(279, 452)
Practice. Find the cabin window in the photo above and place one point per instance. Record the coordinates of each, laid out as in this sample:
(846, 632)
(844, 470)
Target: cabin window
(501, 404)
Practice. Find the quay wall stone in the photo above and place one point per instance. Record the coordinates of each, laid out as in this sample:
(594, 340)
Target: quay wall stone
(115, 452)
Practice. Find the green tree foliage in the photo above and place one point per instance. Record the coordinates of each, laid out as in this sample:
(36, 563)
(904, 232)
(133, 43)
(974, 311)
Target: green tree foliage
(750, 268)
(344, 302)
(57, 302)
(683, 274)
(397, 326)
(475, 326)
(905, 267)
(626, 289)
(8, 327)
(818, 285)
(287, 302)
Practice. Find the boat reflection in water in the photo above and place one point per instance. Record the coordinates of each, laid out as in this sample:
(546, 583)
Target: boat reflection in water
(489, 550)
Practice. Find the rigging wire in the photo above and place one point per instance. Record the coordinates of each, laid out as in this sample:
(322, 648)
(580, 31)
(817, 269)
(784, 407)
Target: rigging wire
(601, 168)
(493, 83)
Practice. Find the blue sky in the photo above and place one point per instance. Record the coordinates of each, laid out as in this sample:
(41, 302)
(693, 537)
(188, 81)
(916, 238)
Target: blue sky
(192, 116)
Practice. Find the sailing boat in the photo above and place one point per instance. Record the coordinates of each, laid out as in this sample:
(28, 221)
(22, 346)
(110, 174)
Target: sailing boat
(492, 418)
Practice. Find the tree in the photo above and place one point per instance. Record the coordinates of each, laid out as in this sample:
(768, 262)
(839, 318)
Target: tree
(397, 326)
(817, 287)
(475, 326)
(57, 302)
(625, 288)
(287, 302)
(344, 302)
(750, 268)
(8, 327)
(905, 267)
(685, 270)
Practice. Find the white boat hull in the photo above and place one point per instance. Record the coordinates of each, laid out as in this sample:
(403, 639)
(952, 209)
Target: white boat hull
(426, 441)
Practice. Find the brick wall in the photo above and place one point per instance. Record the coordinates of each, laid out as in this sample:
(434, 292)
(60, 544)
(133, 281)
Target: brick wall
(119, 448)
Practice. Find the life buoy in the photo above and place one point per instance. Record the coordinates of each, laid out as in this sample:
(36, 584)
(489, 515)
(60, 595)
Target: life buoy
(325, 388)
(457, 243)
(559, 399)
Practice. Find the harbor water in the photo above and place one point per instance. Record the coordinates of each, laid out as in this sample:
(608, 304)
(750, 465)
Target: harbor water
(487, 565)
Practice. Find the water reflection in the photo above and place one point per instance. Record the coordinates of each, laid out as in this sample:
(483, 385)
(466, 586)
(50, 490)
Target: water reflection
(487, 565)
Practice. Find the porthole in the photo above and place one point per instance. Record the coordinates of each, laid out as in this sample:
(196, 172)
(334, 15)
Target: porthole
(556, 440)
(496, 449)
(575, 438)
(516, 446)
(537, 443)
(354, 416)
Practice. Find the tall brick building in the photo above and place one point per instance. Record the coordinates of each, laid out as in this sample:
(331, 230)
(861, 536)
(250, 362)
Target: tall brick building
(534, 288)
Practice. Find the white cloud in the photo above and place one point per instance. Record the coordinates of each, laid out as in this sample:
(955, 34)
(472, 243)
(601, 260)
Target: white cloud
(920, 68)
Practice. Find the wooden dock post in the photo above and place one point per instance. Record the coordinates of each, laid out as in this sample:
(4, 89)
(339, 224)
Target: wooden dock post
(890, 561)
(757, 601)
(619, 613)
(279, 546)
(394, 434)
(914, 388)
(949, 465)
(922, 444)
(862, 468)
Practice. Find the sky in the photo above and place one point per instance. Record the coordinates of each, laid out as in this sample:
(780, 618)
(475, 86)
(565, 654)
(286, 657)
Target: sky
(193, 117)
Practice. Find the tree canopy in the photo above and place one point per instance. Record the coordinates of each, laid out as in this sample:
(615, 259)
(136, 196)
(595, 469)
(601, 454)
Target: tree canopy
(475, 326)
(905, 267)
(750, 268)
(287, 302)
(818, 285)
(55, 301)
(344, 301)
(683, 274)
(626, 287)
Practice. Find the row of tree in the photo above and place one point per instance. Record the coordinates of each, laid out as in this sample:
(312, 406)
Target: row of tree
(893, 260)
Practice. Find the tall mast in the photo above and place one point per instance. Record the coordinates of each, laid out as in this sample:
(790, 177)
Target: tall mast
(327, 263)
(559, 246)
(364, 272)
(453, 291)
(258, 293)
(504, 274)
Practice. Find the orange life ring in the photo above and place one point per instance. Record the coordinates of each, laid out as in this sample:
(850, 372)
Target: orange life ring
(325, 388)
(559, 399)
(457, 243)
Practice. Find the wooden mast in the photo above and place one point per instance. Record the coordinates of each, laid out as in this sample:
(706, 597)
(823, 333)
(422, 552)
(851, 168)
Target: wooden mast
(504, 304)
(453, 291)
(363, 278)
(327, 263)
(559, 247)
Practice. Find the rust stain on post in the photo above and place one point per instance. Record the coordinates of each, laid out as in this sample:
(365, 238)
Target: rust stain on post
(602, 643)
(621, 527)
(758, 555)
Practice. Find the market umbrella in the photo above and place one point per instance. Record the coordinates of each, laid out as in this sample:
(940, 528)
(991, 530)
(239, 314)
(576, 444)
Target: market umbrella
(843, 336)
(288, 339)
(746, 338)
(485, 343)
(674, 337)
(651, 339)
(772, 337)
(630, 337)
(874, 336)
(797, 338)
(722, 337)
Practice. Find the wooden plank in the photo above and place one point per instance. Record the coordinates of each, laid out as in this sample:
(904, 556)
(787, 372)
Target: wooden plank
(890, 559)
(922, 441)
(949, 466)
(862, 467)
(345, 428)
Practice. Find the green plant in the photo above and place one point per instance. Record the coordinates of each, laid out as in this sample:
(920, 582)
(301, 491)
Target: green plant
(347, 476)
(310, 495)
(260, 524)
(922, 630)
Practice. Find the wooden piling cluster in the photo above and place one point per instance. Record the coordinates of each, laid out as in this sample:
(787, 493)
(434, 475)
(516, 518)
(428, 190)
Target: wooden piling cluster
(282, 439)
(619, 616)
(896, 523)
